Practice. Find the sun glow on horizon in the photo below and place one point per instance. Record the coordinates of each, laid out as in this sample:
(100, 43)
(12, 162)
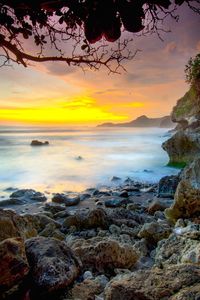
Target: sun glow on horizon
(80, 110)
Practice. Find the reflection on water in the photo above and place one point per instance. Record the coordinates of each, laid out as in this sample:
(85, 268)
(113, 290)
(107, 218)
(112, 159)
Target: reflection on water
(123, 152)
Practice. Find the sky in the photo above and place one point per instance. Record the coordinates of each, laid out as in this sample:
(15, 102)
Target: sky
(54, 94)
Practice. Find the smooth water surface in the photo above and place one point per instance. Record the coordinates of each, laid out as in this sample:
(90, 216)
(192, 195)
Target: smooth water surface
(105, 152)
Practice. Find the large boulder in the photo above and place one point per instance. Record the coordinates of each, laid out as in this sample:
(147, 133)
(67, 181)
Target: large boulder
(14, 266)
(154, 284)
(14, 225)
(53, 265)
(182, 147)
(187, 197)
(104, 254)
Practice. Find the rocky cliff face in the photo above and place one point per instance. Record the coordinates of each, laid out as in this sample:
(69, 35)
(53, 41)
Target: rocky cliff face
(183, 149)
(184, 145)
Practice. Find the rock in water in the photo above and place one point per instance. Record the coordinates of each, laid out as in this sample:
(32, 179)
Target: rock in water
(27, 195)
(154, 284)
(53, 265)
(14, 266)
(68, 200)
(39, 143)
(187, 197)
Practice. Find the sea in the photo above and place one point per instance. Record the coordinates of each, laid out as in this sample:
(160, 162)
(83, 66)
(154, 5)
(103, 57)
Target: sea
(79, 158)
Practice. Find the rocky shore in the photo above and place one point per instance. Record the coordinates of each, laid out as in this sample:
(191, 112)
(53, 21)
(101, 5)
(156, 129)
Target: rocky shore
(133, 241)
(112, 243)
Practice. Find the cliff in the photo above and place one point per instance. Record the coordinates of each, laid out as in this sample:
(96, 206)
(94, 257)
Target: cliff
(143, 121)
(184, 145)
(183, 149)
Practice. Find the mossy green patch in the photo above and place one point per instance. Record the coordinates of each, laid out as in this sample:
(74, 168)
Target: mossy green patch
(178, 165)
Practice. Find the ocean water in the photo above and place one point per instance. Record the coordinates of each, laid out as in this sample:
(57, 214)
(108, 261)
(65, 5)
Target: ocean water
(104, 152)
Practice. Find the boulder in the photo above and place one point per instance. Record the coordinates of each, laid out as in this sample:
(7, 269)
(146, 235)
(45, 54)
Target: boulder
(153, 284)
(39, 143)
(14, 225)
(40, 221)
(53, 265)
(92, 219)
(28, 194)
(14, 266)
(187, 197)
(167, 186)
(182, 246)
(116, 202)
(159, 204)
(54, 208)
(104, 254)
(154, 231)
(68, 200)
(87, 289)
(182, 147)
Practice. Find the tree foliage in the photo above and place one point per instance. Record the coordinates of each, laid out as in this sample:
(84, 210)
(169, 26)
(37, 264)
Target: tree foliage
(79, 32)
(192, 69)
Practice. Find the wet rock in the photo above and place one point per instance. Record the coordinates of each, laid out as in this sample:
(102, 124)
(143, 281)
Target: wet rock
(68, 200)
(182, 246)
(39, 143)
(159, 204)
(153, 284)
(84, 196)
(116, 202)
(62, 214)
(155, 231)
(54, 208)
(167, 186)
(131, 231)
(50, 230)
(187, 197)
(11, 201)
(14, 266)
(103, 254)
(92, 219)
(40, 221)
(53, 265)
(29, 194)
(14, 225)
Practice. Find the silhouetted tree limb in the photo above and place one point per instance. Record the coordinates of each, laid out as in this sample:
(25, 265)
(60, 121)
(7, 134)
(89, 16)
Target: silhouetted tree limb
(79, 32)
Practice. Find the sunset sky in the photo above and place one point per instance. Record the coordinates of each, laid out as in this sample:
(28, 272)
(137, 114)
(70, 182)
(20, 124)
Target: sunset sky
(53, 94)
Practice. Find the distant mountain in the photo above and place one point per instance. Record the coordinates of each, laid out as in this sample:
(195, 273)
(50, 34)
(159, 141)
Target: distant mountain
(143, 121)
